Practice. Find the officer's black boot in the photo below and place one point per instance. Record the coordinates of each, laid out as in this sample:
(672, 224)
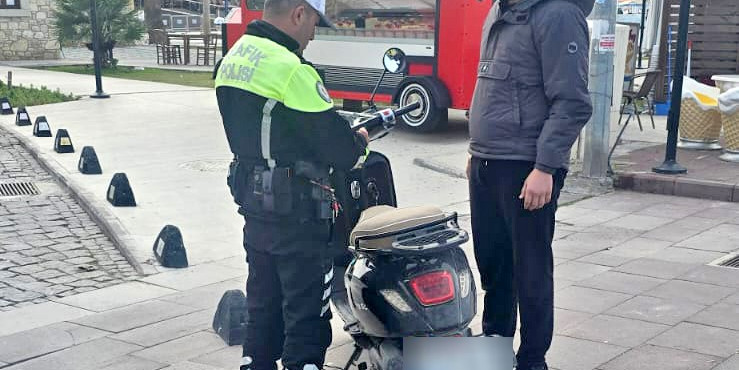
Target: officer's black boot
(307, 367)
(248, 364)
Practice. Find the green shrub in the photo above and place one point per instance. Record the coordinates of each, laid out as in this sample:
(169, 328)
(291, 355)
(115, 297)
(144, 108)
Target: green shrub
(28, 96)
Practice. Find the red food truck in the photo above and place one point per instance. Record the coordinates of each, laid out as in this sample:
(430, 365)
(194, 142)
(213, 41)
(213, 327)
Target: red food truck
(440, 37)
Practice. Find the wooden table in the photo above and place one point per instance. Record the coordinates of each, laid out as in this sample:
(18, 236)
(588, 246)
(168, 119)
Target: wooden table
(726, 82)
(187, 36)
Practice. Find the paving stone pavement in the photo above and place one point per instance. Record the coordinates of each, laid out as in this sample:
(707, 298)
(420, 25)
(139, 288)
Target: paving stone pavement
(49, 246)
(622, 302)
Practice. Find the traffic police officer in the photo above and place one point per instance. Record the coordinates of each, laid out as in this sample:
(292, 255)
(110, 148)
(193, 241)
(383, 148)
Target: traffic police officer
(287, 139)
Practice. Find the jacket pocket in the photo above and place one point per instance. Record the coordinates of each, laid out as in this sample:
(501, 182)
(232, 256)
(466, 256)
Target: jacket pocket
(496, 99)
(533, 105)
(494, 70)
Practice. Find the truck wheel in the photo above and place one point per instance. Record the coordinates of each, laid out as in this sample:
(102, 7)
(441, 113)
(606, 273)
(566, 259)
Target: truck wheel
(428, 117)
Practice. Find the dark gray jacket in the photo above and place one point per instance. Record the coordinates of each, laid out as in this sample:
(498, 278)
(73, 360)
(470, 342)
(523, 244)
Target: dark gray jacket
(531, 99)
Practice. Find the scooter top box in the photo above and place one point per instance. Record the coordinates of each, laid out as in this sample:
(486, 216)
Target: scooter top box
(415, 229)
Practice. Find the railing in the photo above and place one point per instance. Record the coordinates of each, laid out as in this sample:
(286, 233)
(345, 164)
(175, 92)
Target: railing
(217, 8)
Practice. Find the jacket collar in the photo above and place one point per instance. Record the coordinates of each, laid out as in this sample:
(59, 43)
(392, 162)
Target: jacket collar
(517, 11)
(266, 30)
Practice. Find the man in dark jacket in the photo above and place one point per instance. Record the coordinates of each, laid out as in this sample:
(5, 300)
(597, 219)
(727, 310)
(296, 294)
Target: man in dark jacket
(281, 126)
(530, 103)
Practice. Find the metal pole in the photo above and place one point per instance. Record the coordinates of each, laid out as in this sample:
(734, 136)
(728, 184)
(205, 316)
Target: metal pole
(602, 45)
(670, 165)
(99, 94)
(641, 32)
(224, 39)
(690, 57)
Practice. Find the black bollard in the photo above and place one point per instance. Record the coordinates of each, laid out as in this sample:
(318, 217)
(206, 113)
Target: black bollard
(62, 142)
(5, 107)
(229, 321)
(89, 163)
(41, 127)
(120, 193)
(169, 248)
(22, 118)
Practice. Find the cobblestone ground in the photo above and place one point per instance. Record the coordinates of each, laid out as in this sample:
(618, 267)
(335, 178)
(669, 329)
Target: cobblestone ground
(49, 246)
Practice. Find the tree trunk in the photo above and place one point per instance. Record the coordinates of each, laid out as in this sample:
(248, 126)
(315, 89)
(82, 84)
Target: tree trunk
(206, 17)
(153, 14)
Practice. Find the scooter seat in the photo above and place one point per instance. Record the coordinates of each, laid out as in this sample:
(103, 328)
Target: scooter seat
(390, 221)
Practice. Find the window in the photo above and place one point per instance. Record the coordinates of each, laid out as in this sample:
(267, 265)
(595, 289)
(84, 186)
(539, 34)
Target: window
(10, 4)
(255, 4)
(387, 18)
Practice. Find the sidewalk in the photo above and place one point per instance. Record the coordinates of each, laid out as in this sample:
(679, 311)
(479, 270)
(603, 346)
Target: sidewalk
(633, 288)
(708, 176)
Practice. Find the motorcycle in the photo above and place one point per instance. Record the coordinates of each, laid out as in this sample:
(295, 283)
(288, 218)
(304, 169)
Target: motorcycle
(406, 274)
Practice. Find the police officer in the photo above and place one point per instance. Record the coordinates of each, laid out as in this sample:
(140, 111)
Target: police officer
(287, 139)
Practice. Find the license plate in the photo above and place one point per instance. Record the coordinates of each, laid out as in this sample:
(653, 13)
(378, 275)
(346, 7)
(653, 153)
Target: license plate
(465, 353)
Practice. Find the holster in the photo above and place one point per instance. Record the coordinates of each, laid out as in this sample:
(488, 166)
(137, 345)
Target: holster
(322, 198)
(281, 191)
(273, 188)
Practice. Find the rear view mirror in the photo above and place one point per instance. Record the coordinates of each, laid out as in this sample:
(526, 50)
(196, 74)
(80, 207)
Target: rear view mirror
(395, 61)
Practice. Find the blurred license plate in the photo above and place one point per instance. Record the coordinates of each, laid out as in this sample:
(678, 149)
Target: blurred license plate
(458, 353)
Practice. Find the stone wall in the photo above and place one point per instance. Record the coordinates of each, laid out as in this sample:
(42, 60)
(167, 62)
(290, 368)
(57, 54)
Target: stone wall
(27, 33)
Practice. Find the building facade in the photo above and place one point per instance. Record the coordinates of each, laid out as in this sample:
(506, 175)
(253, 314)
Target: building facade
(26, 30)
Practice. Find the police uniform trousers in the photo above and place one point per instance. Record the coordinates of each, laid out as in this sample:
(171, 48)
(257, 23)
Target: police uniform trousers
(288, 291)
(513, 250)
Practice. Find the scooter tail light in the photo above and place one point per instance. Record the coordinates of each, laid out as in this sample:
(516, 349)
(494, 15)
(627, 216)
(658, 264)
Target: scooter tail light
(433, 288)
(396, 300)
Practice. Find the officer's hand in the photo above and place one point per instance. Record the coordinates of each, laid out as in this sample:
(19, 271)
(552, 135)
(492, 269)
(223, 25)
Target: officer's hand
(365, 134)
(537, 190)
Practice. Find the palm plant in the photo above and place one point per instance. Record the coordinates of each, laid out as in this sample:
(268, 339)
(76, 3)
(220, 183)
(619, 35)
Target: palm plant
(115, 20)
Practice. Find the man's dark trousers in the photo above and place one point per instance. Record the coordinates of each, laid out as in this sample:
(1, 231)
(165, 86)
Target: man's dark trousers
(288, 313)
(513, 250)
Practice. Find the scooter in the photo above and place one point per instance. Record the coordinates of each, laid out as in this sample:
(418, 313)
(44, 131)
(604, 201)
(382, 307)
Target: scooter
(406, 274)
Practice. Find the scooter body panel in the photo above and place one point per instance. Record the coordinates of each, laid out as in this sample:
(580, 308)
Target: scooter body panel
(368, 275)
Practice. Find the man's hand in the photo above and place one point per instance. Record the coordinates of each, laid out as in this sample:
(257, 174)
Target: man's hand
(537, 190)
(363, 131)
(469, 167)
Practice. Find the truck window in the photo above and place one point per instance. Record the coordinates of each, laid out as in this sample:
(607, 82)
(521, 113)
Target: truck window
(383, 19)
(255, 4)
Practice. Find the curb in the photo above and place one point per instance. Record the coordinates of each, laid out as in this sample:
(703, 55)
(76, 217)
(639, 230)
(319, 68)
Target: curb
(647, 182)
(108, 223)
(434, 166)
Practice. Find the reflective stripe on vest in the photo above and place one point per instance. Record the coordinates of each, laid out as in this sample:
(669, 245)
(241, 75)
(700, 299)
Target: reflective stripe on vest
(267, 132)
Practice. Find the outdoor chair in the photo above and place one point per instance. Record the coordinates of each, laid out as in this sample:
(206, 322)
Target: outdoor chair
(728, 103)
(630, 98)
(700, 118)
(207, 52)
(166, 53)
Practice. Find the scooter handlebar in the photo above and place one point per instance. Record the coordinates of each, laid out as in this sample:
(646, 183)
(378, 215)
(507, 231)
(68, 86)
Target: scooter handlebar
(407, 109)
(386, 117)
